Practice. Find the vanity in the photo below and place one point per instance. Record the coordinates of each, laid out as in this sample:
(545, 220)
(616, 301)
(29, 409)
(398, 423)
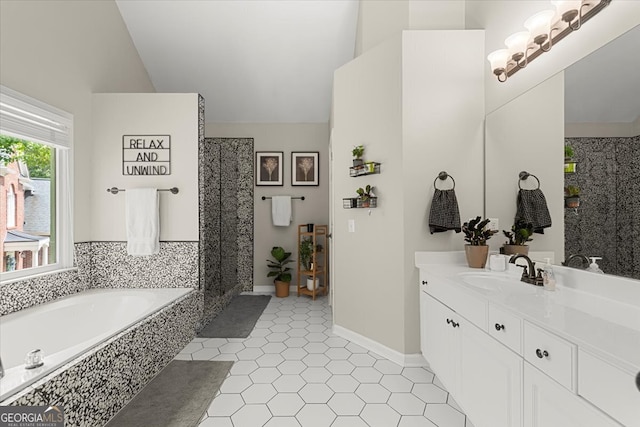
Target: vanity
(513, 354)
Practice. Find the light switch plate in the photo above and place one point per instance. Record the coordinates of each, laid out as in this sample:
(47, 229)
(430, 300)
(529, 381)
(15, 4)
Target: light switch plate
(352, 225)
(493, 224)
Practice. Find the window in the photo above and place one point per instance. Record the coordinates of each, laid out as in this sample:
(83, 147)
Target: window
(35, 145)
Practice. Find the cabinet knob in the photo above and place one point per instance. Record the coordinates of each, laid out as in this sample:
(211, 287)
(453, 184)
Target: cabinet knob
(424, 282)
(499, 327)
(542, 353)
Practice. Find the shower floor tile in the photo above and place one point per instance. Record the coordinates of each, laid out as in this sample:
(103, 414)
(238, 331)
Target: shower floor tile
(293, 371)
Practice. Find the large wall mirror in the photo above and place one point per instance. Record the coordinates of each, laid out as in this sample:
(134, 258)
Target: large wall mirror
(593, 107)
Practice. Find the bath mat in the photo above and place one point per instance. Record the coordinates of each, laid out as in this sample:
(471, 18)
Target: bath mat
(238, 318)
(177, 397)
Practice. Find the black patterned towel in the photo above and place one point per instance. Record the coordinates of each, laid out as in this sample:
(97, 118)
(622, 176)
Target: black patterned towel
(532, 207)
(444, 214)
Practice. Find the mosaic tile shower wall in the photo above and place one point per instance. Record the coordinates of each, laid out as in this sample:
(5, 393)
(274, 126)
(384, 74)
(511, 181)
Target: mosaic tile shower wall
(226, 220)
(607, 223)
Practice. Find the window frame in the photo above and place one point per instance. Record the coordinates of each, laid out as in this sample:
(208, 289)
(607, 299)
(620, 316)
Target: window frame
(62, 141)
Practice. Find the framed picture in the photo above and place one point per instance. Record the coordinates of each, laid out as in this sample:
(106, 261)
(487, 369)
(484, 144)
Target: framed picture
(269, 168)
(304, 168)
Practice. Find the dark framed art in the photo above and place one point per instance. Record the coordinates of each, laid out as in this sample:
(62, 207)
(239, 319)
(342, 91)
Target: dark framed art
(269, 168)
(305, 168)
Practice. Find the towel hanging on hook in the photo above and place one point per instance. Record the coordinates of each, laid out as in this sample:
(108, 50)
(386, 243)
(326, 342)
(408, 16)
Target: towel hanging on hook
(444, 214)
(531, 205)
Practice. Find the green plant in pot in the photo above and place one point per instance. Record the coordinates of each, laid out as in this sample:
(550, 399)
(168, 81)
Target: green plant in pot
(358, 152)
(279, 270)
(520, 234)
(572, 196)
(305, 252)
(365, 196)
(476, 235)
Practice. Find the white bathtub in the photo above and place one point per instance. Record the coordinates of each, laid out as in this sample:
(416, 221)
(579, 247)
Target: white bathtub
(66, 328)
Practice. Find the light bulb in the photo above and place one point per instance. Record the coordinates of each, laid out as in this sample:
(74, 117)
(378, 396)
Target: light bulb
(517, 45)
(539, 25)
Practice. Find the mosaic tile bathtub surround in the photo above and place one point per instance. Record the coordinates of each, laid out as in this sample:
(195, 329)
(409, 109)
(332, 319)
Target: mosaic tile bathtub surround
(607, 223)
(23, 294)
(96, 386)
(176, 266)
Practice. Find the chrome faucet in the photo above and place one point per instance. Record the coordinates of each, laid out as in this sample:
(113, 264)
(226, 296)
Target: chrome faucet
(583, 258)
(528, 276)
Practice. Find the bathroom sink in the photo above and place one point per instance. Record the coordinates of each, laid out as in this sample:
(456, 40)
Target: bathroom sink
(495, 283)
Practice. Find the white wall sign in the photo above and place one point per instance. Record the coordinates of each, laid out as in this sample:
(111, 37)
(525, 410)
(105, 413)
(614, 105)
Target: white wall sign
(146, 155)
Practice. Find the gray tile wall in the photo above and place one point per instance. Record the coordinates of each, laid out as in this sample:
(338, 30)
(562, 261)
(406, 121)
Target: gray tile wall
(607, 223)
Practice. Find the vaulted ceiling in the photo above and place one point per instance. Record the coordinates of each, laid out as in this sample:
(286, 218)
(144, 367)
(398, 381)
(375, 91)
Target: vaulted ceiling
(260, 61)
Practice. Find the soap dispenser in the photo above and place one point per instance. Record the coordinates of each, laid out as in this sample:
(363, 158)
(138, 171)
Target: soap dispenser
(594, 267)
(549, 280)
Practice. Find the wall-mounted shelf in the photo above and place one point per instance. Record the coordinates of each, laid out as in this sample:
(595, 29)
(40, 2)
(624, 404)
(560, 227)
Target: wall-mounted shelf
(369, 168)
(358, 203)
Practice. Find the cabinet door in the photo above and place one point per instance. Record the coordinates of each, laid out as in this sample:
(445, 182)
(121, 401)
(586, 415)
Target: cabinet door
(548, 404)
(491, 386)
(440, 345)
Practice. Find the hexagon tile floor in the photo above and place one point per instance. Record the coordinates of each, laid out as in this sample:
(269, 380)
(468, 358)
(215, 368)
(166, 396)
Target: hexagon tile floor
(293, 371)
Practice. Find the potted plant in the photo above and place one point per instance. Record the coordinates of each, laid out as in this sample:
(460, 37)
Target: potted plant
(569, 164)
(357, 152)
(279, 271)
(305, 252)
(476, 235)
(520, 234)
(572, 196)
(366, 199)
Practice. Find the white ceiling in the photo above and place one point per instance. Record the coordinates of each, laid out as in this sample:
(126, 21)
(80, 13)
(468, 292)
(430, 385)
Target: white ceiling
(257, 61)
(604, 87)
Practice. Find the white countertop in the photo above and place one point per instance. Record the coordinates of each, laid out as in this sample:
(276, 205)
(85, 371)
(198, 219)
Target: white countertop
(607, 326)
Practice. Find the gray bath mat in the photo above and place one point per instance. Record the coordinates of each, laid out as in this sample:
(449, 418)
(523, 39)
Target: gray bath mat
(238, 318)
(177, 397)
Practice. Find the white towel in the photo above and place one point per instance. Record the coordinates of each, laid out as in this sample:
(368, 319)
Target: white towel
(143, 221)
(281, 210)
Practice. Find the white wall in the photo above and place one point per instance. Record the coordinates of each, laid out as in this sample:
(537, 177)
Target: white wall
(379, 20)
(60, 52)
(115, 115)
(315, 207)
(417, 110)
(527, 134)
(501, 18)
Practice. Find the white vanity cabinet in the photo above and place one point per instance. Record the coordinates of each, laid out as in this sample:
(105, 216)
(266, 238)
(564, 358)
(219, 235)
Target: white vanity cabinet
(548, 404)
(484, 376)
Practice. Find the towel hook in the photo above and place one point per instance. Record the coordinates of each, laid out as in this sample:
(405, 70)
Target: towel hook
(442, 176)
(524, 175)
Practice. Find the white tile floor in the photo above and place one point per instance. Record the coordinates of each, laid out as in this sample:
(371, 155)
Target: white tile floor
(293, 371)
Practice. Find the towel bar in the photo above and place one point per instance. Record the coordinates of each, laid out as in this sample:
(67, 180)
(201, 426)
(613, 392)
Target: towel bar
(116, 190)
(269, 197)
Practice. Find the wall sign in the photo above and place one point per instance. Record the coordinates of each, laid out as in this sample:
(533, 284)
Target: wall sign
(146, 155)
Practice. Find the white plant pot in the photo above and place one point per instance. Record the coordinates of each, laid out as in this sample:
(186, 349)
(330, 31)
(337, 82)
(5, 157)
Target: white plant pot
(310, 283)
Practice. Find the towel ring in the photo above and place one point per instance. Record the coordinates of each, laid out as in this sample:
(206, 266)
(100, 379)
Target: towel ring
(442, 176)
(524, 175)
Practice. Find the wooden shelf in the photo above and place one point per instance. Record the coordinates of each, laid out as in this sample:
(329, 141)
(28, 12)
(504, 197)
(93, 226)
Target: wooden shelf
(318, 237)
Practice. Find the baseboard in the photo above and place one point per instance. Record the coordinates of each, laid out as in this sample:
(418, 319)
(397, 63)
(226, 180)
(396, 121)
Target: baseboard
(266, 289)
(402, 359)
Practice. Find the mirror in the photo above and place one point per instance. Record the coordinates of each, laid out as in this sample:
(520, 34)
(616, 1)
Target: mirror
(594, 107)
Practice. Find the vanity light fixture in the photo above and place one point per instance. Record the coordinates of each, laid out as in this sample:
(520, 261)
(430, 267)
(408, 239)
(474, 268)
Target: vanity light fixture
(544, 29)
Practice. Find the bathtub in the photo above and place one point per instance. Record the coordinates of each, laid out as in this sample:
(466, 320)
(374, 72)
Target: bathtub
(71, 326)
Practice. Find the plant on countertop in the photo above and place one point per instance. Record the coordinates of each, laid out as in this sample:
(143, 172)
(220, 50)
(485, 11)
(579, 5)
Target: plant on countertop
(305, 252)
(520, 234)
(278, 269)
(476, 232)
